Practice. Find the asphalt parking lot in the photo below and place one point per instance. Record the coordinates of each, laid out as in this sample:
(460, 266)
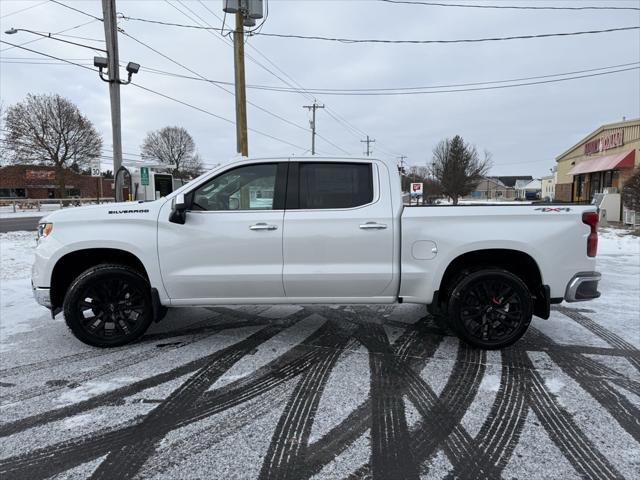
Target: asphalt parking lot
(324, 392)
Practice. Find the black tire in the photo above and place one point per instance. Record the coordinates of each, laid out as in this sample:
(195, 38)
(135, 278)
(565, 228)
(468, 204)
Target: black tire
(108, 306)
(490, 308)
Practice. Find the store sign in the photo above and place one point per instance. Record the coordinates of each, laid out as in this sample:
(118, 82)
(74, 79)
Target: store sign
(416, 189)
(40, 175)
(606, 142)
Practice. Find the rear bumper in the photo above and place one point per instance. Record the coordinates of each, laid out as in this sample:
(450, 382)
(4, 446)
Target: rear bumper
(583, 286)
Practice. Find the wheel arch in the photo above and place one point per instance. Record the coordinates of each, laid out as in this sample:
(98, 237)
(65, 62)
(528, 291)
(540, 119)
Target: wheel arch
(72, 264)
(515, 261)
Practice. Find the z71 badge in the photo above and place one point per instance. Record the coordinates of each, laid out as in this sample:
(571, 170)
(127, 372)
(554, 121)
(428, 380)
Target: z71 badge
(553, 209)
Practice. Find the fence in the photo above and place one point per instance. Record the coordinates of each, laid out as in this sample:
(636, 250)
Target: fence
(37, 204)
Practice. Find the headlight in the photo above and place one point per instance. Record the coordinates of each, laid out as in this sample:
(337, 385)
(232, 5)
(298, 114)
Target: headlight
(44, 230)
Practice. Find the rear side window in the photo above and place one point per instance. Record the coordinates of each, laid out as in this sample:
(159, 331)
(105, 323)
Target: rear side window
(334, 185)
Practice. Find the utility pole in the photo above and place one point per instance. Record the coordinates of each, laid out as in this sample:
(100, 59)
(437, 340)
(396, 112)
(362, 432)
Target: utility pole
(402, 158)
(111, 37)
(241, 92)
(246, 13)
(312, 123)
(368, 141)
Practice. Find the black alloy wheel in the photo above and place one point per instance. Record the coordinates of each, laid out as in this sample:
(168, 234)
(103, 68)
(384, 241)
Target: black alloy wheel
(490, 308)
(108, 306)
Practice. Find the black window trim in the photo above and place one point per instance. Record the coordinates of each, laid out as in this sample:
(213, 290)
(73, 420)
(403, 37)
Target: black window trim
(279, 192)
(293, 185)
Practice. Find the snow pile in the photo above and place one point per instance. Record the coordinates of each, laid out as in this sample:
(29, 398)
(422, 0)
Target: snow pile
(613, 241)
(16, 254)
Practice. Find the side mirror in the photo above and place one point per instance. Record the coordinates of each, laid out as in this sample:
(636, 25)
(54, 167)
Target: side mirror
(179, 210)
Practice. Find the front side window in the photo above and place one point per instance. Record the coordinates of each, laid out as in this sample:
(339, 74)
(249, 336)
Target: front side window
(250, 187)
(334, 185)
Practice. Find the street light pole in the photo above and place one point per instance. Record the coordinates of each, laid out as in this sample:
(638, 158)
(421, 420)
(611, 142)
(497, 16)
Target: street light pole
(13, 31)
(111, 63)
(111, 37)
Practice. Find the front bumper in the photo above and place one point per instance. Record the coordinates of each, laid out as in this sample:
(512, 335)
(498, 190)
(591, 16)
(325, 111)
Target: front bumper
(583, 286)
(42, 296)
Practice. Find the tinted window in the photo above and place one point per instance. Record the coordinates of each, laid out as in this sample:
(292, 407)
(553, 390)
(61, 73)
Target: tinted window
(334, 185)
(250, 187)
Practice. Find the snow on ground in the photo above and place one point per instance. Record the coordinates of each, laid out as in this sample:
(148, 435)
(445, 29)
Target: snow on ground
(49, 376)
(17, 254)
(18, 309)
(617, 241)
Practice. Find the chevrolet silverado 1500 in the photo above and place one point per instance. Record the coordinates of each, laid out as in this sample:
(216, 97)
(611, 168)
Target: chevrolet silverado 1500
(311, 230)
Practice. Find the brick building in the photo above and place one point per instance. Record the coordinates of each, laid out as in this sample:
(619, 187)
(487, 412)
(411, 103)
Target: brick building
(604, 159)
(35, 181)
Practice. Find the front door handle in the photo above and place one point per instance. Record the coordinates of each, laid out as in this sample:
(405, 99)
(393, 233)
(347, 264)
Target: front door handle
(373, 226)
(263, 226)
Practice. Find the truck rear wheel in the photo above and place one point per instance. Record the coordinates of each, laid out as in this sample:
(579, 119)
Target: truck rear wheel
(108, 306)
(490, 308)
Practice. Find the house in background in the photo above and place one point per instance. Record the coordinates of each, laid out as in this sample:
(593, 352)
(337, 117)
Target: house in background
(490, 188)
(519, 187)
(499, 188)
(530, 190)
(548, 188)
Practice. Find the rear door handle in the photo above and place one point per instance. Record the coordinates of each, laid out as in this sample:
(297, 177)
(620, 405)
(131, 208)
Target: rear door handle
(263, 226)
(373, 226)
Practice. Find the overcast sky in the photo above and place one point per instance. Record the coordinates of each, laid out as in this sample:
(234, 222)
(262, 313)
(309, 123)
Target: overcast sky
(524, 128)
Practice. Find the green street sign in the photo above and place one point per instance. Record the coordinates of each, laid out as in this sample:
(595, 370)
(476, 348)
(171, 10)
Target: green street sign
(144, 175)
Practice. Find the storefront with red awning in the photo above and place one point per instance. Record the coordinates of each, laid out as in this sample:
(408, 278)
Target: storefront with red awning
(599, 165)
(594, 175)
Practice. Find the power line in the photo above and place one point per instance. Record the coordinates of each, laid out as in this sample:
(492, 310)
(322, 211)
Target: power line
(76, 10)
(163, 95)
(210, 29)
(302, 90)
(213, 83)
(23, 9)
(227, 42)
(506, 7)
(412, 90)
(343, 91)
(451, 88)
(460, 40)
(217, 116)
(46, 55)
(375, 40)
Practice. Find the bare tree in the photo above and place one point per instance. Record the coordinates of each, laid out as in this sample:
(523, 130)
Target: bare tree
(193, 167)
(631, 192)
(173, 146)
(457, 167)
(50, 130)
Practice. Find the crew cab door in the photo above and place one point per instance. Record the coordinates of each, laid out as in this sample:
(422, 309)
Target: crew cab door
(338, 231)
(230, 246)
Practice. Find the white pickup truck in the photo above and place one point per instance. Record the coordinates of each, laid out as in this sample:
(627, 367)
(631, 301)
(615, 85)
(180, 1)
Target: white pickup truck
(311, 230)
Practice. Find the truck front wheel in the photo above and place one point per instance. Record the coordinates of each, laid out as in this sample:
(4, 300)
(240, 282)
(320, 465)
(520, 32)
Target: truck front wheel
(490, 308)
(108, 306)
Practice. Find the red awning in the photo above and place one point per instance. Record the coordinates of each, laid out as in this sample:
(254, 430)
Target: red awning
(601, 164)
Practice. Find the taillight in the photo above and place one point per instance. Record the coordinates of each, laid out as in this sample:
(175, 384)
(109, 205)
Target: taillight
(591, 219)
